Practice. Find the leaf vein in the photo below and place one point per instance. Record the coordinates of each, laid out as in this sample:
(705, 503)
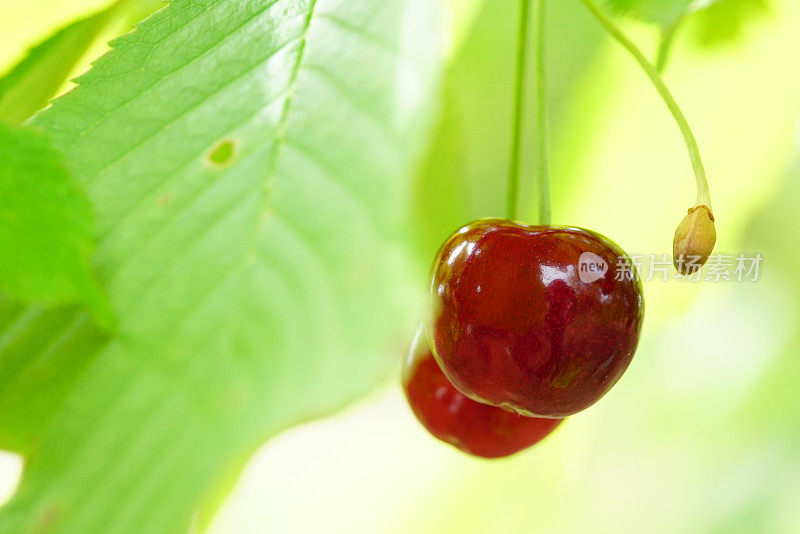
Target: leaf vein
(198, 105)
(347, 93)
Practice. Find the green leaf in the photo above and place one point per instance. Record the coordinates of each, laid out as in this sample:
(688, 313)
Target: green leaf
(664, 12)
(30, 85)
(722, 19)
(725, 20)
(718, 20)
(248, 162)
(46, 227)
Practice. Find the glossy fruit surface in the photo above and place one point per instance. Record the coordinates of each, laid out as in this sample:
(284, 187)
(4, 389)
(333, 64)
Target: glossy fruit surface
(475, 428)
(534, 318)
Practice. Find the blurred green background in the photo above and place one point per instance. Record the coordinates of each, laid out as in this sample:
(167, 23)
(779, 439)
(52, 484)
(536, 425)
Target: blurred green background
(702, 435)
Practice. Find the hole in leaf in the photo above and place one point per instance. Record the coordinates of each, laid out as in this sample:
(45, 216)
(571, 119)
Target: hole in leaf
(10, 474)
(222, 154)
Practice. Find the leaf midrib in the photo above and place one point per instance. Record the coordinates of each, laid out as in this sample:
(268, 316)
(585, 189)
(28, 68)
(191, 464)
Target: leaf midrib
(280, 135)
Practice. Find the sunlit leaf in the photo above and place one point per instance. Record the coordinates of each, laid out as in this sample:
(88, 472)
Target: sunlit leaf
(661, 11)
(725, 20)
(248, 162)
(722, 20)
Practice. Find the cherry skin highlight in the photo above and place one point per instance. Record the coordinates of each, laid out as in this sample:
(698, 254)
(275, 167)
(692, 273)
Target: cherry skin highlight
(526, 318)
(475, 428)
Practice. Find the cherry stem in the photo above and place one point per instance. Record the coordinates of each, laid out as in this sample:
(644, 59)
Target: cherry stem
(703, 194)
(519, 92)
(665, 47)
(541, 113)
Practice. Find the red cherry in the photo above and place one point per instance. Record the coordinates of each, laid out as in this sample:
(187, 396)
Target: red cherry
(525, 317)
(475, 428)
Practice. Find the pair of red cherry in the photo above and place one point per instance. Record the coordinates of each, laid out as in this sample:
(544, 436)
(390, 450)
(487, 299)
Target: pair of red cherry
(530, 324)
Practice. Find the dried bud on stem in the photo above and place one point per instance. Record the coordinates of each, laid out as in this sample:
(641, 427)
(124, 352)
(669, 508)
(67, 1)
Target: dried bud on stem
(694, 240)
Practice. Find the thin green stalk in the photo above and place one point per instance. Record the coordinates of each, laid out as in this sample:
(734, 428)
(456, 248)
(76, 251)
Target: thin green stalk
(703, 194)
(541, 113)
(668, 34)
(519, 92)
